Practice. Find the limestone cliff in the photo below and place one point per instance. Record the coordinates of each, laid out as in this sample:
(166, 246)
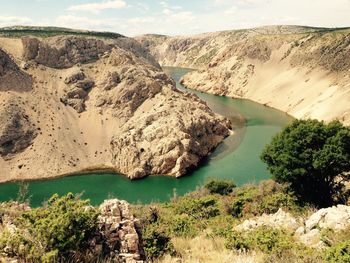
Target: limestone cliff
(300, 70)
(72, 104)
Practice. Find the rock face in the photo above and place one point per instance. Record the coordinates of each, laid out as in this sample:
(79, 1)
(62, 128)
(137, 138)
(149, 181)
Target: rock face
(63, 52)
(77, 91)
(159, 143)
(100, 104)
(11, 77)
(16, 130)
(121, 232)
(299, 70)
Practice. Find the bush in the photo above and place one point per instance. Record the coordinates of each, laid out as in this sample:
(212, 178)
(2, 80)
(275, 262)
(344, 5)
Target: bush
(183, 226)
(339, 253)
(53, 232)
(236, 241)
(156, 242)
(313, 158)
(220, 187)
(271, 203)
(202, 208)
(267, 240)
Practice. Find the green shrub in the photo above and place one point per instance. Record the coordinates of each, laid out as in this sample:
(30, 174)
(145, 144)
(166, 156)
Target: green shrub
(236, 208)
(183, 226)
(156, 242)
(271, 203)
(236, 241)
(339, 253)
(62, 227)
(265, 239)
(202, 208)
(220, 187)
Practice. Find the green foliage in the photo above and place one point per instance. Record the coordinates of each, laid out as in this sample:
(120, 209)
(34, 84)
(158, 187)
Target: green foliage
(62, 227)
(202, 208)
(236, 208)
(339, 253)
(236, 241)
(271, 203)
(183, 226)
(277, 245)
(313, 158)
(156, 242)
(220, 187)
(265, 239)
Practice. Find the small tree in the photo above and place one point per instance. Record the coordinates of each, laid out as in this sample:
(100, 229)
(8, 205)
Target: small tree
(313, 158)
(222, 187)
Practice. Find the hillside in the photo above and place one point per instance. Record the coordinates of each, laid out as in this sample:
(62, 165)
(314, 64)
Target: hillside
(73, 103)
(303, 71)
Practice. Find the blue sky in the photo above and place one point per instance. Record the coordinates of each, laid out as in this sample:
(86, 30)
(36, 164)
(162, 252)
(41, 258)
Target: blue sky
(181, 17)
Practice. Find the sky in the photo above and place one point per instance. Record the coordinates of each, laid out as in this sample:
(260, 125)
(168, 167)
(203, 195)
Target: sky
(170, 17)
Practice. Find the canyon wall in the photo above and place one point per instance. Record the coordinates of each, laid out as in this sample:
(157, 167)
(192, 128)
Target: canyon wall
(300, 70)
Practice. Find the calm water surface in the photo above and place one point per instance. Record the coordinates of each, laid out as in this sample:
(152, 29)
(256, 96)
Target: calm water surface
(237, 158)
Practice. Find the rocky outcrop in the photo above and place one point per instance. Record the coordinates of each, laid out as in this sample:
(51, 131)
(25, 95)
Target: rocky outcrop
(103, 104)
(335, 218)
(11, 76)
(299, 70)
(78, 88)
(280, 219)
(307, 231)
(63, 52)
(121, 232)
(17, 131)
(167, 140)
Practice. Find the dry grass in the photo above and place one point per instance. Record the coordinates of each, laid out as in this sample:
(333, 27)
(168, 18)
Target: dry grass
(209, 250)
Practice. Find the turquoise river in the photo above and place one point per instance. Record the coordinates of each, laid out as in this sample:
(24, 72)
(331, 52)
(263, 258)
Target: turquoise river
(237, 158)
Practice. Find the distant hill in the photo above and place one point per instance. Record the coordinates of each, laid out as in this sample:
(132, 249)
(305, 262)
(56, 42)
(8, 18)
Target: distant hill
(19, 31)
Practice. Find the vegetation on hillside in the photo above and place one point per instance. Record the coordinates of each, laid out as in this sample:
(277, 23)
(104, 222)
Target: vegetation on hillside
(53, 31)
(57, 231)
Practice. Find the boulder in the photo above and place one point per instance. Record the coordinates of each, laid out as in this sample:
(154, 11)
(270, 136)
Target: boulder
(280, 220)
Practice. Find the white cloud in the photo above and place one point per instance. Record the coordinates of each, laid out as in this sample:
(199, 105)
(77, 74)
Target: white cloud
(81, 22)
(96, 7)
(15, 20)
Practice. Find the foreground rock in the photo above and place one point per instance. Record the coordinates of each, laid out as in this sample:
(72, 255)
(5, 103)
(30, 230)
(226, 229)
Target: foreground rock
(307, 231)
(120, 233)
(280, 220)
(336, 218)
(299, 70)
(97, 104)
